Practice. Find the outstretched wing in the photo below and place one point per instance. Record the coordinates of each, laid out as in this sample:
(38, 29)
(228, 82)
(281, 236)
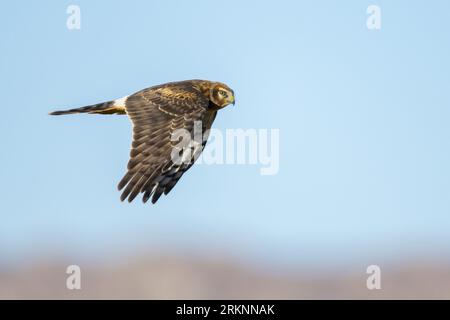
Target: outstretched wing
(157, 113)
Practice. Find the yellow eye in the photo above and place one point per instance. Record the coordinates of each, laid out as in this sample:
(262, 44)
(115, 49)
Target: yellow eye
(223, 93)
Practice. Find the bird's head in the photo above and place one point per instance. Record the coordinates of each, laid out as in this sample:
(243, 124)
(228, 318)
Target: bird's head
(221, 95)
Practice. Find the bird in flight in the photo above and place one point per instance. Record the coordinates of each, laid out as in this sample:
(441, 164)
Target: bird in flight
(157, 113)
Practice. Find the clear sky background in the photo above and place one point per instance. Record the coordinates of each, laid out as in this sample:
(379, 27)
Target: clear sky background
(363, 117)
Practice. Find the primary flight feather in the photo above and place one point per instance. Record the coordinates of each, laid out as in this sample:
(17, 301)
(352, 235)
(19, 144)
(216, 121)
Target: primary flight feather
(157, 113)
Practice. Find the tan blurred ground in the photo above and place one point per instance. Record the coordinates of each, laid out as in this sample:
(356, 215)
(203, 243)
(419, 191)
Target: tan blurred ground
(182, 278)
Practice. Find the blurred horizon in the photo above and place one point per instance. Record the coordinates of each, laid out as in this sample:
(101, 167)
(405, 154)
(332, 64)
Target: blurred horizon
(183, 277)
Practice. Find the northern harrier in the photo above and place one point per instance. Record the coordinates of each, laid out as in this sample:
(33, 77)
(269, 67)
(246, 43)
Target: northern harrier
(157, 113)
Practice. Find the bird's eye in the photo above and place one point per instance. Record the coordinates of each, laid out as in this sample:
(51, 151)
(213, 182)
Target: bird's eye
(223, 93)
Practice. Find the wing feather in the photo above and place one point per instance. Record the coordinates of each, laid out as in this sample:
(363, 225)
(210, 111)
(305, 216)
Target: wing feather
(156, 113)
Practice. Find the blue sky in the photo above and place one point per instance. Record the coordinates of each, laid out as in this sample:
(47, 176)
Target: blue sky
(363, 118)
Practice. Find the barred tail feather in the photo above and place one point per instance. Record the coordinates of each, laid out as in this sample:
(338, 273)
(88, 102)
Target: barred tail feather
(110, 107)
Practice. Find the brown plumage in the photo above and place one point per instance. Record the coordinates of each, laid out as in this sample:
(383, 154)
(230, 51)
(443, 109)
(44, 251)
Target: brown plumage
(157, 113)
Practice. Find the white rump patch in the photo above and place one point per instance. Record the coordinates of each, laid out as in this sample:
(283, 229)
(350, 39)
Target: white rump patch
(121, 102)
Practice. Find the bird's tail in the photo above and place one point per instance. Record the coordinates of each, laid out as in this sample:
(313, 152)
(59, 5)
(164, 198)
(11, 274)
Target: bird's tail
(110, 107)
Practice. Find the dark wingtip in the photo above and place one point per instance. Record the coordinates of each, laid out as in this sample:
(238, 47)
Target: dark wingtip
(131, 198)
(124, 181)
(156, 196)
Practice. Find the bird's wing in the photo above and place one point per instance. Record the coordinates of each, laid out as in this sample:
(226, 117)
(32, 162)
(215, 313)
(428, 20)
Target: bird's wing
(157, 113)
